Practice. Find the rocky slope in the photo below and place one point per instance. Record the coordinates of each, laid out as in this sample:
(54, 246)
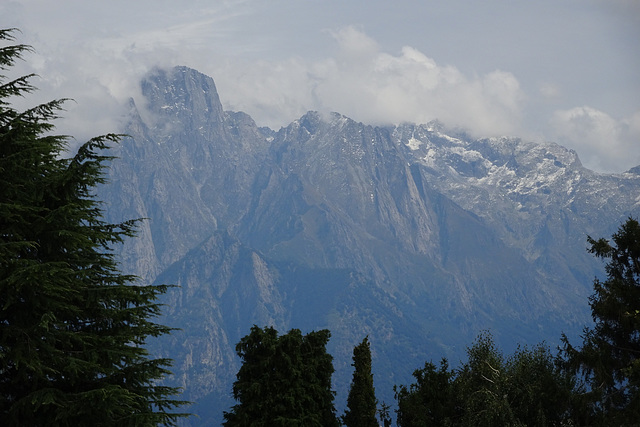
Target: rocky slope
(415, 235)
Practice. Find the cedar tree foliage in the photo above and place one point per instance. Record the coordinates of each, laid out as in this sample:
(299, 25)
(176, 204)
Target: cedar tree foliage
(72, 327)
(609, 359)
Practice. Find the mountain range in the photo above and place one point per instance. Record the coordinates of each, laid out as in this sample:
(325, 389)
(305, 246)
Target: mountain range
(415, 235)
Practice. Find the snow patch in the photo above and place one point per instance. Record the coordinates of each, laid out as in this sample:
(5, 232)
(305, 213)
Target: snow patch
(414, 144)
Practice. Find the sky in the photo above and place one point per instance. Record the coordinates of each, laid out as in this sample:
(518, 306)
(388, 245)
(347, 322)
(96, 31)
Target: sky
(566, 71)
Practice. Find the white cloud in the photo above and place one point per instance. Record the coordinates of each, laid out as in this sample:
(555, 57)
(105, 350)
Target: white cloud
(273, 62)
(273, 93)
(355, 45)
(97, 55)
(359, 80)
(604, 143)
(373, 86)
(99, 84)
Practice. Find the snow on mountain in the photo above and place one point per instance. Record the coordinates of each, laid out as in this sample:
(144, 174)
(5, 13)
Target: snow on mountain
(413, 234)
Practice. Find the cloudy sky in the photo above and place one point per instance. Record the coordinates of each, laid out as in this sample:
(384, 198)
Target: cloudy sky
(561, 70)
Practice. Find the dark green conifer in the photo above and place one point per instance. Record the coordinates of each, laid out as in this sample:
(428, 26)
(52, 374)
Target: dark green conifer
(283, 381)
(361, 402)
(609, 359)
(72, 327)
(431, 400)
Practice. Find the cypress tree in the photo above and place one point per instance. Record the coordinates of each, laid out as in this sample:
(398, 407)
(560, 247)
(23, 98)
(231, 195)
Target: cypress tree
(283, 381)
(361, 402)
(72, 327)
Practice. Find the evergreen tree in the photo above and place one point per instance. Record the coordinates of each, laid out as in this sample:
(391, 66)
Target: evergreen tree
(361, 402)
(610, 353)
(283, 381)
(72, 327)
(385, 414)
(431, 400)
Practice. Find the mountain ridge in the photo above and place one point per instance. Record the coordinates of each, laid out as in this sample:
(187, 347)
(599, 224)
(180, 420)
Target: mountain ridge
(411, 234)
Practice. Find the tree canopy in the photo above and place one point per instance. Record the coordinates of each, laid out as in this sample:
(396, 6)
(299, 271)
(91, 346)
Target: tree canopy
(526, 388)
(609, 359)
(72, 327)
(284, 380)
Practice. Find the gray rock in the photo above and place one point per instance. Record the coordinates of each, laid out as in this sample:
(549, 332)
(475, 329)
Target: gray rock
(417, 236)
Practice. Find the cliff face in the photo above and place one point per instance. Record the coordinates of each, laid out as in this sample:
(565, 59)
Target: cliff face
(187, 167)
(413, 235)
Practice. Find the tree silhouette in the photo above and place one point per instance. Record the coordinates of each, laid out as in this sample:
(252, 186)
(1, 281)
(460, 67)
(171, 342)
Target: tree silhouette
(72, 327)
(361, 402)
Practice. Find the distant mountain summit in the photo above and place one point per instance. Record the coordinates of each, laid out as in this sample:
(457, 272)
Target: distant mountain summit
(635, 170)
(414, 235)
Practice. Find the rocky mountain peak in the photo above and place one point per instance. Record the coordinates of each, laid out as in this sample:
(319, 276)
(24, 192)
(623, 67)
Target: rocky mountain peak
(634, 170)
(181, 100)
(414, 235)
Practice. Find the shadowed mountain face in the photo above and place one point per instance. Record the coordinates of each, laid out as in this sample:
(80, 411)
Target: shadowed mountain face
(413, 235)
